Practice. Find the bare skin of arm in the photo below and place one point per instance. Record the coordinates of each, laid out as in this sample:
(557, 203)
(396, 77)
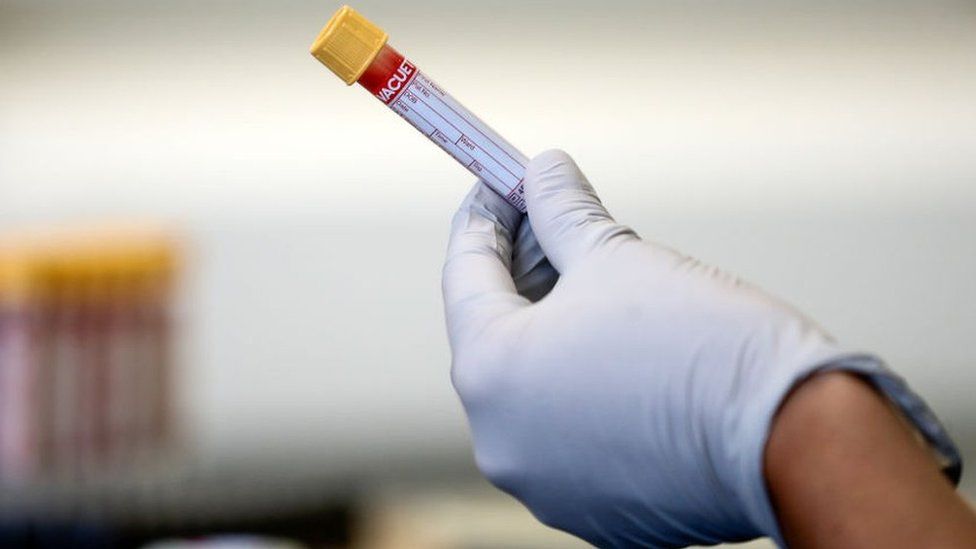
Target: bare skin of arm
(845, 471)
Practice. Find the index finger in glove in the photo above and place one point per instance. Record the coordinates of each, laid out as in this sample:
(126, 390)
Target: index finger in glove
(477, 278)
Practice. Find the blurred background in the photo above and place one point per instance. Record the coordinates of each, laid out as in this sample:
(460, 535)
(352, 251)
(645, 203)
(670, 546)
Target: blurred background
(824, 150)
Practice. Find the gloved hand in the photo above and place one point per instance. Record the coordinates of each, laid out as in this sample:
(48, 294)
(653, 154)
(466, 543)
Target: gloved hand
(621, 390)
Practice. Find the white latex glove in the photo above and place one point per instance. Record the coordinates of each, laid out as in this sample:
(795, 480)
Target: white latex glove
(631, 404)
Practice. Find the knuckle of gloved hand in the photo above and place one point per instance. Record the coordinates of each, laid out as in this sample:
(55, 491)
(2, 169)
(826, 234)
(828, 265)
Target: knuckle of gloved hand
(548, 169)
(606, 234)
(548, 516)
(475, 377)
(551, 160)
(449, 271)
(461, 379)
(499, 467)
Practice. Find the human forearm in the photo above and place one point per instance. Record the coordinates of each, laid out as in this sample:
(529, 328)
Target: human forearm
(845, 471)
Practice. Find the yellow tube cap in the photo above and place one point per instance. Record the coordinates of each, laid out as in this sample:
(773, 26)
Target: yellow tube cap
(348, 44)
(17, 276)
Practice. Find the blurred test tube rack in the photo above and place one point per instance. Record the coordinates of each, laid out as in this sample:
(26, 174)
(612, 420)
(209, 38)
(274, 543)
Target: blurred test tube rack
(85, 354)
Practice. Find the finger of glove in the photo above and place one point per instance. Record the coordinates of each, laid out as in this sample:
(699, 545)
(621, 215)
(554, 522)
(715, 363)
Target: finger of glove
(477, 282)
(534, 275)
(565, 212)
(527, 253)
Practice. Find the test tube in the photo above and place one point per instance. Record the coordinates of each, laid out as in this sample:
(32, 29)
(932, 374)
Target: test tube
(19, 438)
(356, 50)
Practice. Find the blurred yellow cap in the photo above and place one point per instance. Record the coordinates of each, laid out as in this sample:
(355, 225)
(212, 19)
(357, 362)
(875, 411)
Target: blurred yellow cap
(69, 263)
(16, 275)
(348, 44)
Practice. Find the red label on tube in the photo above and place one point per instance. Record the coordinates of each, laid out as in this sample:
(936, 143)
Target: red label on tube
(388, 75)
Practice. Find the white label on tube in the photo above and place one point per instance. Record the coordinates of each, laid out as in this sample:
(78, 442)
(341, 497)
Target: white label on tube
(462, 135)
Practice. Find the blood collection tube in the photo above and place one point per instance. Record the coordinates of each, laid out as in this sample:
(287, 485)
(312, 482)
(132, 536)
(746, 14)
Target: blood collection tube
(356, 51)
